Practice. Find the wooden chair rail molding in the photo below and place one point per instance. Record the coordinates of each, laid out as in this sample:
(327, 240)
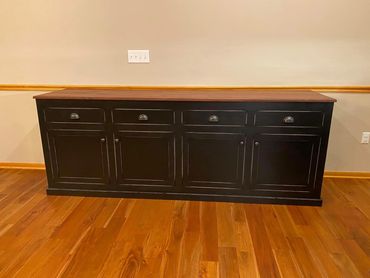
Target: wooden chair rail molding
(328, 174)
(54, 87)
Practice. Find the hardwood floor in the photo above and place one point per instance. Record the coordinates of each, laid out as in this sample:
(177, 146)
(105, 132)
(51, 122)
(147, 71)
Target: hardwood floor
(54, 236)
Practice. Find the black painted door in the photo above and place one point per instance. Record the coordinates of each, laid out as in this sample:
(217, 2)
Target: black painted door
(79, 159)
(213, 160)
(145, 160)
(284, 163)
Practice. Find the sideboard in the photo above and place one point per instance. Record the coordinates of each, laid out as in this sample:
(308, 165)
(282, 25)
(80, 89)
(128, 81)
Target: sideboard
(222, 145)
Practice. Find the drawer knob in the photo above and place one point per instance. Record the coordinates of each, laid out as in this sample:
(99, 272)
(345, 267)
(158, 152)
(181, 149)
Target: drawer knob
(102, 140)
(74, 116)
(288, 120)
(143, 117)
(116, 140)
(213, 119)
(241, 142)
(256, 143)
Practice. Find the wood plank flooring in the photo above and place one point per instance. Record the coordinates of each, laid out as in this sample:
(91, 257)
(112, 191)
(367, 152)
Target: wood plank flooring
(54, 236)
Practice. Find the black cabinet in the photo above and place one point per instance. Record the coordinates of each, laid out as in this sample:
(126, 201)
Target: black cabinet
(284, 164)
(78, 159)
(145, 159)
(266, 152)
(213, 160)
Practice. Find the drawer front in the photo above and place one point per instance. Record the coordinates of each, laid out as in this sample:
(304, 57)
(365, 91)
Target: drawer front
(214, 117)
(74, 115)
(143, 116)
(289, 118)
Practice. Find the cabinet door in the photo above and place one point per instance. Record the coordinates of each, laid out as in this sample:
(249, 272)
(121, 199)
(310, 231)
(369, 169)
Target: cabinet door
(284, 163)
(213, 160)
(145, 159)
(79, 159)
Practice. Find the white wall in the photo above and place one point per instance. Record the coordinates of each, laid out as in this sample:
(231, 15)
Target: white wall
(193, 42)
(19, 133)
(350, 118)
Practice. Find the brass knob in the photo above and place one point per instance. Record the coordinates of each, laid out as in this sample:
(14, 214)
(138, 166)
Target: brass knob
(74, 116)
(288, 120)
(143, 117)
(213, 119)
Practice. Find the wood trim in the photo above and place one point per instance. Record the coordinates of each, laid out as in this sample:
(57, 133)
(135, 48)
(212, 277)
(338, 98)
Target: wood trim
(24, 166)
(327, 174)
(54, 87)
(347, 175)
(220, 95)
(342, 91)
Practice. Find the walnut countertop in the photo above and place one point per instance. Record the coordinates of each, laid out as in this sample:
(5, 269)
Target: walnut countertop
(215, 95)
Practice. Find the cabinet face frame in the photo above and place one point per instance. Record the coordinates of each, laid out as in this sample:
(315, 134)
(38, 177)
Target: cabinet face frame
(213, 185)
(312, 141)
(148, 183)
(79, 181)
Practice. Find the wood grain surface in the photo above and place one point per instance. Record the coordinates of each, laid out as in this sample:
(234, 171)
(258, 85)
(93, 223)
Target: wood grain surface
(218, 95)
(54, 236)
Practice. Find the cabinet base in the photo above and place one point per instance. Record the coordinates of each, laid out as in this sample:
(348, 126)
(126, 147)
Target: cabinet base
(186, 196)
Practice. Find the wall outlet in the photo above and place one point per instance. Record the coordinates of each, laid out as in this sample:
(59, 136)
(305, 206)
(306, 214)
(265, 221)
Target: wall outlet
(138, 56)
(365, 138)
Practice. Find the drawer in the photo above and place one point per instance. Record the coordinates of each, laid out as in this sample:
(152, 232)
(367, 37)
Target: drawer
(289, 118)
(214, 117)
(143, 116)
(74, 115)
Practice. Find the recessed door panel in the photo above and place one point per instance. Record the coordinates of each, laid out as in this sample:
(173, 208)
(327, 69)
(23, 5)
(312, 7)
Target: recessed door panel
(284, 162)
(213, 160)
(79, 157)
(145, 158)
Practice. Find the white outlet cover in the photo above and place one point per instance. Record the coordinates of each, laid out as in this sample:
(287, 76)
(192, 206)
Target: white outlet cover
(138, 56)
(365, 138)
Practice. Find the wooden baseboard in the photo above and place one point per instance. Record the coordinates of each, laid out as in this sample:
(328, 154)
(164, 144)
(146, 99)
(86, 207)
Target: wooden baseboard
(327, 174)
(54, 87)
(25, 166)
(347, 175)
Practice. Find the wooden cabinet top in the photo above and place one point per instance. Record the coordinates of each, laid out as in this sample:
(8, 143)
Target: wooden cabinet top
(215, 95)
